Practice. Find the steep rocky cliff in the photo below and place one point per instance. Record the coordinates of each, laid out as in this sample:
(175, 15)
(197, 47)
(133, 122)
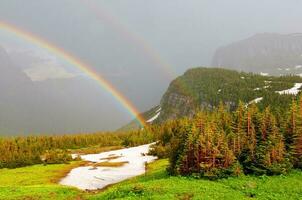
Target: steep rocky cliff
(205, 88)
(270, 53)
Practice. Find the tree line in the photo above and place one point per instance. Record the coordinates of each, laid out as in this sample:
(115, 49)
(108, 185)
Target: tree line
(221, 143)
(30, 150)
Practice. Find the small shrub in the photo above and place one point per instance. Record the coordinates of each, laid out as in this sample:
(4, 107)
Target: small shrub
(56, 157)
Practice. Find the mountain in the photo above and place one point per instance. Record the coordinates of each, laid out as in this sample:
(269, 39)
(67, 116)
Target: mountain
(275, 54)
(52, 106)
(205, 88)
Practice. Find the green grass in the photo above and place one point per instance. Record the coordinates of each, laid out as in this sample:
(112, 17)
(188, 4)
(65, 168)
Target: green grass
(38, 182)
(156, 184)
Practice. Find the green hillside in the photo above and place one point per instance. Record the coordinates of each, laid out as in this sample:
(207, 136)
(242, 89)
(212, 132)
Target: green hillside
(203, 88)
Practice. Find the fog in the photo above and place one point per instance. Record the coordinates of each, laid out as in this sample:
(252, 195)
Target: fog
(138, 46)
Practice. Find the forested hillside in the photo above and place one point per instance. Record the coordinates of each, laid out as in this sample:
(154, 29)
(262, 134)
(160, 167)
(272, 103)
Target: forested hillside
(205, 88)
(220, 143)
(266, 52)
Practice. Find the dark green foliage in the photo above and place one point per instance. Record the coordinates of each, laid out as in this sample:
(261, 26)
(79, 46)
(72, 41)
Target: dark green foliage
(205, 88)
(23, 151)
(221, 143)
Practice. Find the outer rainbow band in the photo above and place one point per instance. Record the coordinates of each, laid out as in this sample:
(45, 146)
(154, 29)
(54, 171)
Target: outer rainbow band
(77, 63)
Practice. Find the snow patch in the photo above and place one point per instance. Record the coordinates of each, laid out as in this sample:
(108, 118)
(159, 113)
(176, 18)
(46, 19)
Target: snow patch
(86, 178)
(263, 74)
(153, 118)
(257, 88)
(298, 67)
(257, 100)
(158, 110)
(157, 113)
(294, 90)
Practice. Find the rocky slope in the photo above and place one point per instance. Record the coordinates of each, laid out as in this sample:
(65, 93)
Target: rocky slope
(270, 53)
(205, 88)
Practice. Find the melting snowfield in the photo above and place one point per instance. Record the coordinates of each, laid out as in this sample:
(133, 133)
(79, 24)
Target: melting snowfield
(294, 90)
(257, 100)
(89, 178)
(157, 113)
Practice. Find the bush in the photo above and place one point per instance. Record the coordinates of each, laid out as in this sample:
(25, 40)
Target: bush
(56, 157)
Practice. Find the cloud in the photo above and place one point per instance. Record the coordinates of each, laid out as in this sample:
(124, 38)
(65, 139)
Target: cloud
(48, 71)
(39, 65)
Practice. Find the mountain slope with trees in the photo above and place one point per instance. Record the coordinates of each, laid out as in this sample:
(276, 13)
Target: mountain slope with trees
(204, 88)
(266, 52)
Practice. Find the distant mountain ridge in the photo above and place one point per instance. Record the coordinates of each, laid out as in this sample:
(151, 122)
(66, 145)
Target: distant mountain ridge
(54, 106)
(205, 88)
(271, 53)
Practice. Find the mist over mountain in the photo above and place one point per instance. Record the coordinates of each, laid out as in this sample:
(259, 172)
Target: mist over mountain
(52, 106)
(275, 54)
(205, 88)
(140, 51)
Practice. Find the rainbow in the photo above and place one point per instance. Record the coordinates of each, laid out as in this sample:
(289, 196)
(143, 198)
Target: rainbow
(77, 63)
(104, 16)
(111, 20)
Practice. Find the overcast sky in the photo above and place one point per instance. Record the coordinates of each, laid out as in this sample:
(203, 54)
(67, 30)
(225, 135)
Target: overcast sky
(141, 45)
(182, 33)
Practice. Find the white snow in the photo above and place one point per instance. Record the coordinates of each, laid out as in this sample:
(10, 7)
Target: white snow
(158, 110)
(267, 86)
(242, 77)
(86, 178)
(153, 118)
(263, 74)
(257, 88)
(287, 69)
(294, 90)
(255, 100)
(298, 66)
(157, 113)
(267, 81)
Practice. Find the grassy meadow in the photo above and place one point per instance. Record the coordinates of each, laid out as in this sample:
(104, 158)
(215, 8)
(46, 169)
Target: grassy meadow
(40, 182)
(156, 184)
(37, 182)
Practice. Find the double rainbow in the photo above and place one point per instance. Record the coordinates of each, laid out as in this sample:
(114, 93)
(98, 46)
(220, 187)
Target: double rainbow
(36, 40)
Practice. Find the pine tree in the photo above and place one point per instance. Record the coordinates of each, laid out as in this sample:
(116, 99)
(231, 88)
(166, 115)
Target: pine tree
(237, 136)
(297, 144)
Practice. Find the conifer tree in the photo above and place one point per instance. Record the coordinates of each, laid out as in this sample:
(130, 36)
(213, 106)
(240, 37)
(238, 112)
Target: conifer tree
(297, 149)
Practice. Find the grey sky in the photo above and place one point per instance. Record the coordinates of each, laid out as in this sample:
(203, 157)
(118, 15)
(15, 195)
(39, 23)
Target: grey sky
(129, 41)
(184, 33)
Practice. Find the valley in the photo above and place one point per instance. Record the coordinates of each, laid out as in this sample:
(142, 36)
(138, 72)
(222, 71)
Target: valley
(249, 138)
(150, 100)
